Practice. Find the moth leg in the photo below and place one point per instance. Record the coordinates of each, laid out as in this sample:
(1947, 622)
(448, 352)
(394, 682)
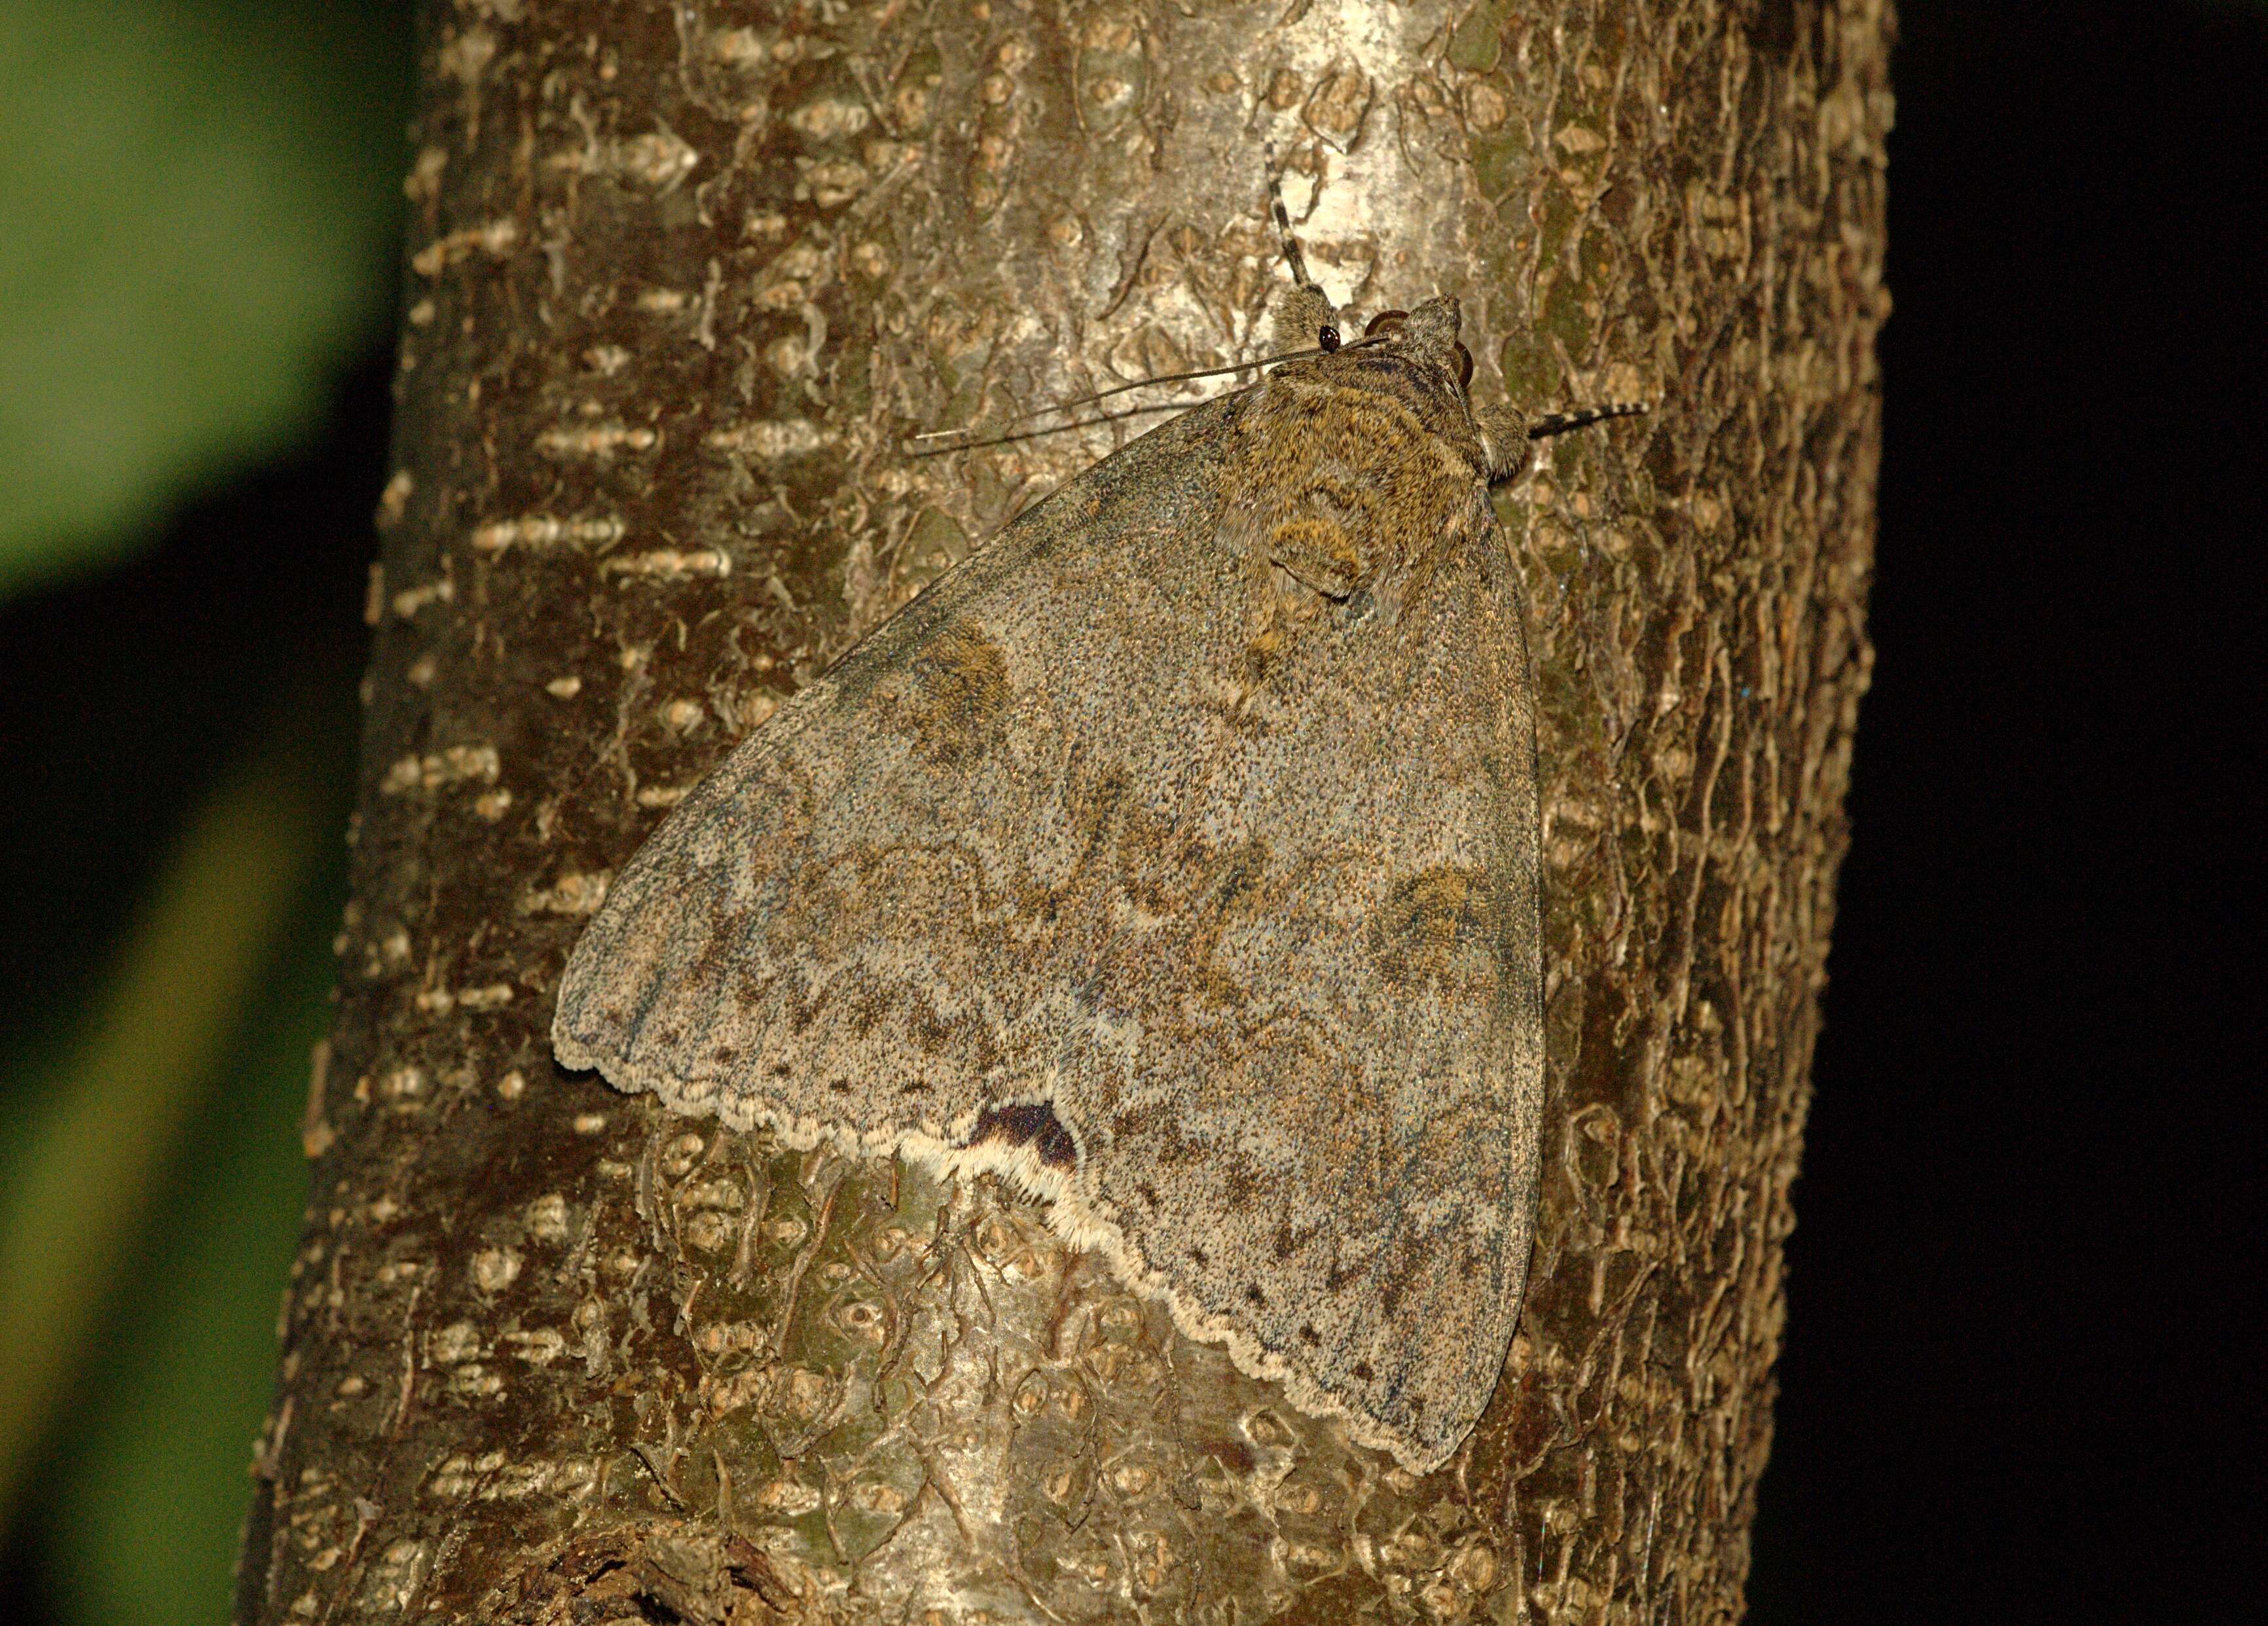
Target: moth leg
(1505, 447)
(1507, 439)
(1583, 418)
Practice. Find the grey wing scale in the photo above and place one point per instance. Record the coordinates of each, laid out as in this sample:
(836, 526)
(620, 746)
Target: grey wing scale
(1267, 956)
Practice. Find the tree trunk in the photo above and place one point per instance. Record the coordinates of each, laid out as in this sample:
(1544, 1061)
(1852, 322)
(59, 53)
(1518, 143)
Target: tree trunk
(682, 279)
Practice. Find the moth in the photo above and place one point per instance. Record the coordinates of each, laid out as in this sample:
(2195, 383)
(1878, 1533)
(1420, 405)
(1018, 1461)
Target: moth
(1173, 858)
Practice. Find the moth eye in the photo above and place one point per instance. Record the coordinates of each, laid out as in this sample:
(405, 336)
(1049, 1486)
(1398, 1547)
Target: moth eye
(1464, 368)
(1329, 338)
(1385, 319)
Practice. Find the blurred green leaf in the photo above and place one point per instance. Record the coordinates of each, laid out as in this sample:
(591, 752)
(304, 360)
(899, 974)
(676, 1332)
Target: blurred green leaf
(197, 212)
(150, 1498)
(109, 1125)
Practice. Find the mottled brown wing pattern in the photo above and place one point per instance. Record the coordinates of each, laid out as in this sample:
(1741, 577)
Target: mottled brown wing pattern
(1175, 856)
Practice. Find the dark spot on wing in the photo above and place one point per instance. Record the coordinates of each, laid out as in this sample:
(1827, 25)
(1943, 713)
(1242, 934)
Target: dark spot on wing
(1436, 926)
(927, 1029)
(1034, 1126)
(961, 690)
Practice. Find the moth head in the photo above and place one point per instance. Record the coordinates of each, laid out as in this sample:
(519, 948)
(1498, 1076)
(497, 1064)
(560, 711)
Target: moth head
(1304, 320)
(1427, 335)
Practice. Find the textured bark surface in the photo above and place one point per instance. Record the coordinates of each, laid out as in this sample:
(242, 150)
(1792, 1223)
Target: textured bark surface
(682, 277)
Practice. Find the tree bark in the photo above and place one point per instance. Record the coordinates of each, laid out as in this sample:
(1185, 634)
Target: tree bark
(683, 278)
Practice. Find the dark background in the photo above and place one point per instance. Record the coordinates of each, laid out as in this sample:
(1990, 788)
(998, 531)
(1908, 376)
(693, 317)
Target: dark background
(2015, 1385)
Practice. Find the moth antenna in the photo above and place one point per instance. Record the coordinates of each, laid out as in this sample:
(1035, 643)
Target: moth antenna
(1293, 257)
(1327, 336)
(1055, 429)
(1560, 422)
(1120, 389)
